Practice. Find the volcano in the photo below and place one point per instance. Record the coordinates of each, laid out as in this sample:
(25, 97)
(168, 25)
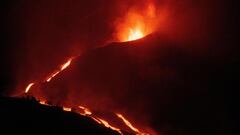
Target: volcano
(144, 67)
(161, 86)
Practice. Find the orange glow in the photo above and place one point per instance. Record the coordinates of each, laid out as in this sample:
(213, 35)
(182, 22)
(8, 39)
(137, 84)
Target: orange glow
(29, 87)
(43, 102)
(135, 34)
(86, 111)
(106, 124)
(67, 109)
(52, 76)
(64, 66)
(98, 121)
(138, 22)
(130, 125)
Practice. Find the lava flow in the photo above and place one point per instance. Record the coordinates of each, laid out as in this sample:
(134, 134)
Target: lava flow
(130, 125)
(63, 67)
(106, 124)
(85, 111)
(29, 87)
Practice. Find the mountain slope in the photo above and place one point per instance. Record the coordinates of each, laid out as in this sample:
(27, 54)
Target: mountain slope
(171, 87)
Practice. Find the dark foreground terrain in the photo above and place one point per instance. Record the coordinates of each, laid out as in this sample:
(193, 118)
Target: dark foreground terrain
(27, 116)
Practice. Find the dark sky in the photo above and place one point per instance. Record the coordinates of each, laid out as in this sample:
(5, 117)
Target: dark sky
(37, 33)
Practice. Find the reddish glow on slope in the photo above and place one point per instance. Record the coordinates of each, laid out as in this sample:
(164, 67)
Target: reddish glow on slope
(29, 87)
(85, 111)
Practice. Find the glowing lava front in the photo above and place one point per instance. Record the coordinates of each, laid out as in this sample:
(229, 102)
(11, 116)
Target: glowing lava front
(86, 111)
(67, 109)
(29, 87)
(43, 102)
(65, 65)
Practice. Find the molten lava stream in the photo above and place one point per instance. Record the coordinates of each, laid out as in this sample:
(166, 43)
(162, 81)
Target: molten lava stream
(63, 66)
(29, 87)
(128, 124)
(87, 112)
(106, 124)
